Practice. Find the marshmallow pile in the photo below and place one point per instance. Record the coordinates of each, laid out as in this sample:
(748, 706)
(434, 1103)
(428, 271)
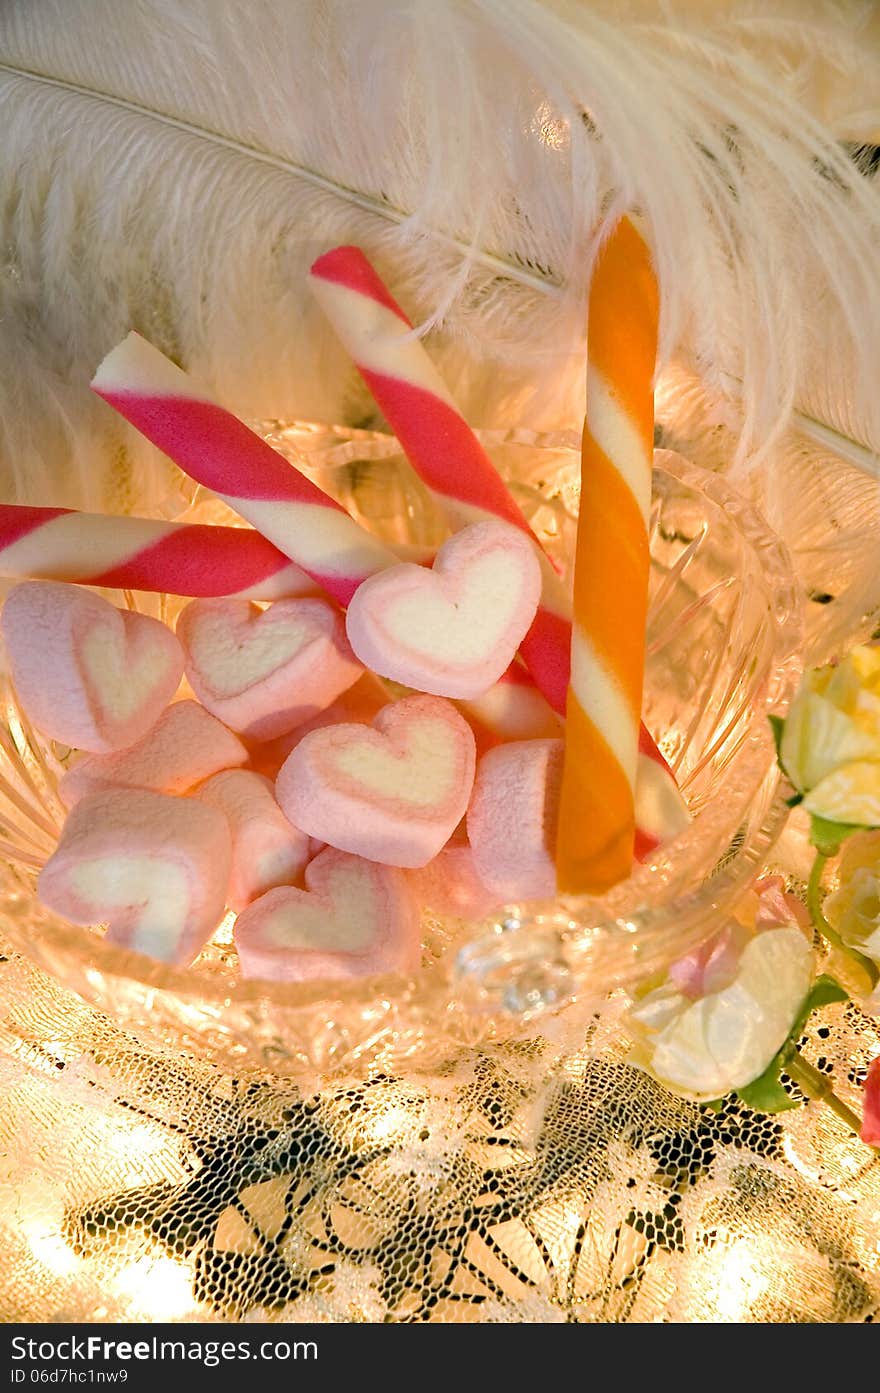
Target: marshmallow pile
(255, 761)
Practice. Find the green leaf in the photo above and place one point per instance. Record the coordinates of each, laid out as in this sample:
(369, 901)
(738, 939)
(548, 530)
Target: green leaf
(714, 1105)
(826, 835)
(777, 725)
(765, 1093)
(823, 992)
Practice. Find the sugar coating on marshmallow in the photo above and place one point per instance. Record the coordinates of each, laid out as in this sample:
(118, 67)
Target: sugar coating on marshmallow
(354, 919)
(511, 821)
(450, 885)
(186, 745)
(152, 867)
(87, 674)
(264, 672)
(267, 850)
(454, 630)
(360, 703)
(392, 793)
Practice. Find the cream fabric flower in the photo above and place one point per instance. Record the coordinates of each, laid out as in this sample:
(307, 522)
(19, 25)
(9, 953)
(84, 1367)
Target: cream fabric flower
(725, 1011)
(853, 909)
(830, 746)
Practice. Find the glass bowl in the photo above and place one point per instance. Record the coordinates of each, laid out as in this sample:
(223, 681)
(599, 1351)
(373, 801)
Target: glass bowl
(723, 646)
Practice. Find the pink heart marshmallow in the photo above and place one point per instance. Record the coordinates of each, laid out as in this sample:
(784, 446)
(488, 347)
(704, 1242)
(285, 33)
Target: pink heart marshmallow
(360, 703)
(88, 674)
(511, 821)
(154, 868)
(393, 793)
(454, 630)
(264, 672)
(185, 746)
(449, 885)
(354, 919)
(267, 850)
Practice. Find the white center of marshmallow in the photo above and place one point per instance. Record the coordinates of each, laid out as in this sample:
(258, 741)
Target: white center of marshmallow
(157, 891)
(233, 657)
(348, 928)
(120, 681)
(459, 631)
(391, 776)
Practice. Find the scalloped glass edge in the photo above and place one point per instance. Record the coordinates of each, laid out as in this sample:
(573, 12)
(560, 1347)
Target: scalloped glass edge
(515, 966)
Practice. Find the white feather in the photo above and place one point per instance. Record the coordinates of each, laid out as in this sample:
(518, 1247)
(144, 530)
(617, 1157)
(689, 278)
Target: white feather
(174, 166)
(827, 511)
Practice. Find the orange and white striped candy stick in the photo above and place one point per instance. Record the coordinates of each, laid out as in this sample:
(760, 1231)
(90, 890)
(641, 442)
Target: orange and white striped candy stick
(594, 845)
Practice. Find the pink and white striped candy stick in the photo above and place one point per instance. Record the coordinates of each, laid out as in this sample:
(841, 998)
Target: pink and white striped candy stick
(217, 449)
(513, 709)
(435, 437)
(145, 554)
(453, 465)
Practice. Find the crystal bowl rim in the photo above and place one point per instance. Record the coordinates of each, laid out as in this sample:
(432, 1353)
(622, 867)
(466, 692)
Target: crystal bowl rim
(212, 991)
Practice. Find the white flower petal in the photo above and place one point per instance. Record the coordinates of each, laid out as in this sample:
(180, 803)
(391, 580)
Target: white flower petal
(818, 737)
(728, 1038)
(656, 1010)
(851, 794)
